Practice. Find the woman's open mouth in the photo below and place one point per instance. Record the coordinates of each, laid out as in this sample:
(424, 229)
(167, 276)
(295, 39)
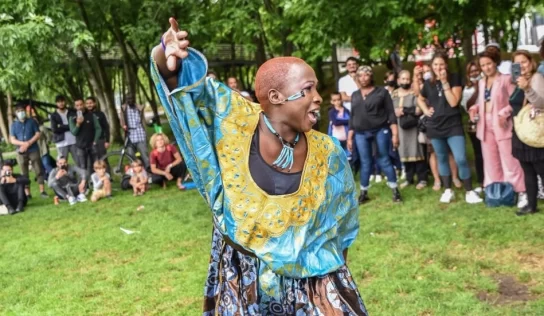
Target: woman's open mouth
(314, 116)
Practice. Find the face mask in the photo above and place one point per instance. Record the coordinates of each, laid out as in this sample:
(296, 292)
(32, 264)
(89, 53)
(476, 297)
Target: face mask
(475, 79)
(427, 76)
(391, 83)
(405, 86)
(21, 115)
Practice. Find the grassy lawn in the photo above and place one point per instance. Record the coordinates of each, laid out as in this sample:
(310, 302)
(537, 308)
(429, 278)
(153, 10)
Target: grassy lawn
(418, 258)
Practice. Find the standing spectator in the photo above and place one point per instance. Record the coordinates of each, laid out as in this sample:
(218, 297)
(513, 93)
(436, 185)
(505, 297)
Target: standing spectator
(101, 181)
(470, 97)
(12, 190)
(390, 82)
(494, 128)
(531, 158)
(86, 127)
(395, 62)
(339, 121)
(25, 134)
(68, 182)
(348, 84)
(410, 150)
(132, 121)
(62, 137)
(211, 74)
(505, 66)
(373, 119)
(166, 162)
(444, 126)
(103, 142)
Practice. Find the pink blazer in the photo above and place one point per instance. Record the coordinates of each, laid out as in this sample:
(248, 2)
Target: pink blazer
(500, 100)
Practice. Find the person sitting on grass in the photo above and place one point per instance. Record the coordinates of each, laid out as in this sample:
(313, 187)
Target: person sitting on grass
(166, 162)
(68, 182)
(138, 178)
(101, 181)
(12, 189)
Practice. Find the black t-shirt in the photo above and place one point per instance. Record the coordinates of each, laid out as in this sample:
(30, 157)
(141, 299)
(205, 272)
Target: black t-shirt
(446, 120)
(374, 112)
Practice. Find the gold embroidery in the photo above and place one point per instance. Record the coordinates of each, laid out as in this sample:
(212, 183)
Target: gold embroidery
(260, 216)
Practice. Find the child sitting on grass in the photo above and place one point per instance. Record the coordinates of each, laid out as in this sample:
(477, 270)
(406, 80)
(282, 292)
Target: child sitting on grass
(101, 181)
(138, 179)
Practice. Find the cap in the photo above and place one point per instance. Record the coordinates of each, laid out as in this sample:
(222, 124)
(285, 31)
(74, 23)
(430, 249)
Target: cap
(366, 69)
(496, 45)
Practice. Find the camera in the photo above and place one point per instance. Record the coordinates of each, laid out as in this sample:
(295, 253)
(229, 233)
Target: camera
(7, 173)
(64, 167)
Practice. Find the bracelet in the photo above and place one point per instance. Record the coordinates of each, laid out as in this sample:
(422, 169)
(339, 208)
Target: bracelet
(162, 43)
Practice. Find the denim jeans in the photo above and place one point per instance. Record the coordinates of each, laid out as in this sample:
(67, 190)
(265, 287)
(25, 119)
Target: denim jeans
(457, 145)
(364, 141)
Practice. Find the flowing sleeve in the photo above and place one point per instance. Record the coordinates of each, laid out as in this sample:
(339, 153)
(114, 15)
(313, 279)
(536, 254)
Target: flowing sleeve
(195, 110)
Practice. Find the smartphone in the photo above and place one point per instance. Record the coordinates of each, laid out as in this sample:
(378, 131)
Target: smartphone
(419, 63)
(516, 72)
(79, 114)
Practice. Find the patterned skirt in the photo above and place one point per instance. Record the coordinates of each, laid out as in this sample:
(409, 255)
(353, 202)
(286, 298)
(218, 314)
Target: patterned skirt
(232, 288)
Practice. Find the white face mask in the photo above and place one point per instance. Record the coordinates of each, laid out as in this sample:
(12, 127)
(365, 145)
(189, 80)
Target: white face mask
(21, 115)
(427, 76)
(475, 79)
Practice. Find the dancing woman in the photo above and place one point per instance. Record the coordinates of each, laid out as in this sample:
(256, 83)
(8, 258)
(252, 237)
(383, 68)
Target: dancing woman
(282, 195)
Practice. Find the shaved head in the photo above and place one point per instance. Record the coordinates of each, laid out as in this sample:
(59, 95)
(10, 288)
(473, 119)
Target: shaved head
(274, 74)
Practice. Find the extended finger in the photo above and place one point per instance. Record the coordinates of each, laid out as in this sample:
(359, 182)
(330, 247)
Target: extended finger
(183, 44)
(181, 35)
(174, 24)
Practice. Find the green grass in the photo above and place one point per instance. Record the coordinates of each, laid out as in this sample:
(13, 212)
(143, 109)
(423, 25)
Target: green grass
(417, 258)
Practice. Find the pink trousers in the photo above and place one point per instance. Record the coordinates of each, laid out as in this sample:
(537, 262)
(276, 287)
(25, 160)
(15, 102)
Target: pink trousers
(499, 164)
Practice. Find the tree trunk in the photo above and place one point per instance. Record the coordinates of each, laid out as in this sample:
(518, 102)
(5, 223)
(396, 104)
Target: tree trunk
(3, 111)
(486, 32)
(10, 109)
(335, 71)
(468, 51)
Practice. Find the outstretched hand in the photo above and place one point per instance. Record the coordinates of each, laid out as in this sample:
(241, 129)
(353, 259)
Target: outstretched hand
(175, 44)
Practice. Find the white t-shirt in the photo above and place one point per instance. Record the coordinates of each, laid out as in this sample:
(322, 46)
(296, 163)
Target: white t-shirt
(347, 84)
(467, 94)
(69, 138)
(505, 67)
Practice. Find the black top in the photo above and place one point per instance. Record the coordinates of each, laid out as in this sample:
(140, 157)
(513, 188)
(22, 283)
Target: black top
(446, 120)
(374, 112)
(269, 179)
(85, 137)
(103, 124)
(58, 127)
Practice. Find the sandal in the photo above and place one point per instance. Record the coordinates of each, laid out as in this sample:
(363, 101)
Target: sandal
(457, 183)
(437, 186)
(421, 185)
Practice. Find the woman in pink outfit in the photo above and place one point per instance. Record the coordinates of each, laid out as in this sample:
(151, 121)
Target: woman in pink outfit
(493, 113)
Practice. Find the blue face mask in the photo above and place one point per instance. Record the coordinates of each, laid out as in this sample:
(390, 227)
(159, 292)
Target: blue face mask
(21, 115)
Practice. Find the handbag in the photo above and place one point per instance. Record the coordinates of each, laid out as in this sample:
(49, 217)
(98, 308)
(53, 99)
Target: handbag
(422, 124)
(529, 126)
(500, 194)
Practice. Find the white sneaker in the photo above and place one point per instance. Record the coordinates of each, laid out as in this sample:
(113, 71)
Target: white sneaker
(379, 178)
(522, 200)
(371, 178)
(447, 196)
(72, 200)
(473, 198)
(81, 198)
(479, 190)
